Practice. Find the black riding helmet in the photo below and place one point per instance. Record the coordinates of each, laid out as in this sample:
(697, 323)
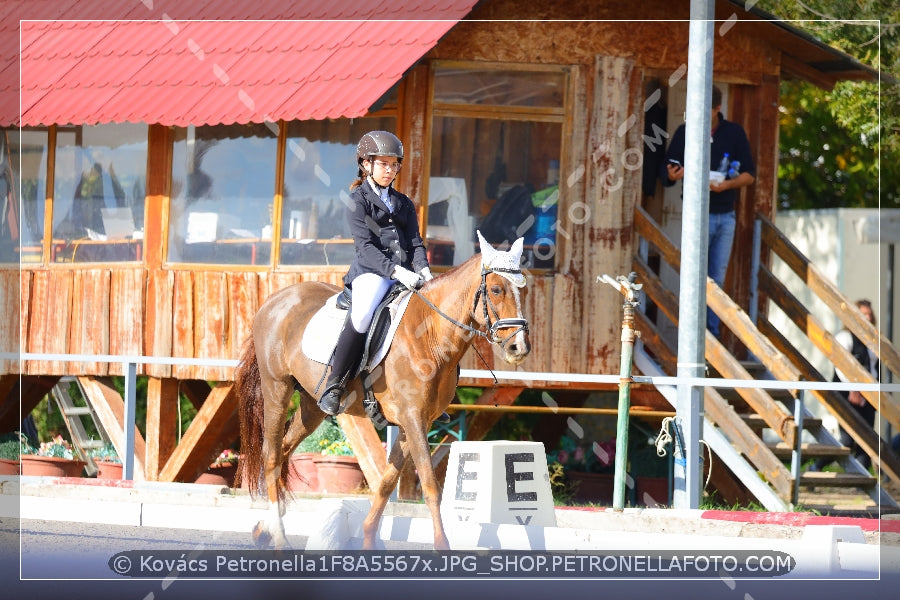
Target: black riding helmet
(378, 143)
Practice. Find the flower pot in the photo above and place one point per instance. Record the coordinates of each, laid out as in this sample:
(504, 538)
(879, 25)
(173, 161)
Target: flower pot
(338, 474)
(108, 470)
(9, 466)
(591, 487)
(303, 475)
(51, 466)
(218, 475)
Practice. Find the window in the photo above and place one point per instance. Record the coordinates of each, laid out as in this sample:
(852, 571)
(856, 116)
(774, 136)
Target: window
(320, 165)
(223, 190)
(98, 191)
(495, 159)
(24, 168)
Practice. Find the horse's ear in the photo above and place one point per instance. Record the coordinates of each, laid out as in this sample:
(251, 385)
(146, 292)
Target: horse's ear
(516, 248)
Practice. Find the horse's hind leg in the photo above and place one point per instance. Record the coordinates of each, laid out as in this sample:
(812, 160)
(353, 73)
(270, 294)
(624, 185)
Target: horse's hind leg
(277, 394)
(398, 457)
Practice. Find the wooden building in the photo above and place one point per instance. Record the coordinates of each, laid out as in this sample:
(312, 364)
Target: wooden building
(176, 171)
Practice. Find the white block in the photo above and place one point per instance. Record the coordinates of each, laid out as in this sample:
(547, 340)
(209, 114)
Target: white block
(498, 482)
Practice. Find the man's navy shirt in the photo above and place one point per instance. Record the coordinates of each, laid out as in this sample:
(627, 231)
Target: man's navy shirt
(728, 137)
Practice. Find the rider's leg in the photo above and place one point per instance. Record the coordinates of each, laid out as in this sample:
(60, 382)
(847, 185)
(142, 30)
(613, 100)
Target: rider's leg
(368, 290)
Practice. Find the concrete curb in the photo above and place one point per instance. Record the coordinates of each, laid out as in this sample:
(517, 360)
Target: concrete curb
(822, 546)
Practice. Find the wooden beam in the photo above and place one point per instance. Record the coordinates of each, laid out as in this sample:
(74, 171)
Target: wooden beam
(366, 446)
(110, 409)
(214, 428)
(747, 442)
(774, 414)
(162, 423)
(20, 398)
(196, 390)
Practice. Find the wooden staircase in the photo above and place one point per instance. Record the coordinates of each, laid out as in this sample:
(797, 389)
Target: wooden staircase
(769, 437)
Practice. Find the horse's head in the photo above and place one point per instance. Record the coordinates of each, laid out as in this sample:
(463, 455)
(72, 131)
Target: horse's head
(498, 305)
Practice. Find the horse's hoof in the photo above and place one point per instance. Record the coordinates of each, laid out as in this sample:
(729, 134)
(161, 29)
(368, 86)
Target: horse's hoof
(261, 536)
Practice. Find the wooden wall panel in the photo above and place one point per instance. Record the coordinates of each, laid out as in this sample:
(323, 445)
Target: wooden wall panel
(127, 323)
(10, 282)
(183, 322)
(243, 302)
(566, 323)
(49, 313)
(210, 298)
(158, 319)
(89, 325)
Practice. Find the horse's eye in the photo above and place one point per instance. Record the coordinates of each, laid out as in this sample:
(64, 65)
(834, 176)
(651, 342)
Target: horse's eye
(496, 290)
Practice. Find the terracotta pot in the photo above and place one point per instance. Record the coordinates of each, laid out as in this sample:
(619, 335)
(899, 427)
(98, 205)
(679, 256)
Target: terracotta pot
(338, 474)
(219, 475)
(303, 475)
(9, 466)
(108, 470)
(591, 487)
(51, 466)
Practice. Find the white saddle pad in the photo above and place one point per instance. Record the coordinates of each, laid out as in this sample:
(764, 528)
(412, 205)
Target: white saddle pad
(321, 333)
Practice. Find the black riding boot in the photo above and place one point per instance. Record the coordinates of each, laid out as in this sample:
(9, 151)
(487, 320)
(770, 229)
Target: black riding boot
(346, 356)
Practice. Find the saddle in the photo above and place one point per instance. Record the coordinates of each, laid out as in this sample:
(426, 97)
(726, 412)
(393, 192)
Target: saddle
(322, 331)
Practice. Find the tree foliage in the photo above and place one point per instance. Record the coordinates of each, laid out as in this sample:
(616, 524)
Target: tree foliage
(835, 145)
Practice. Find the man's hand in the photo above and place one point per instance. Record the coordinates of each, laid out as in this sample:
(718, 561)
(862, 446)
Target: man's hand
(676, 172)
(857, 399)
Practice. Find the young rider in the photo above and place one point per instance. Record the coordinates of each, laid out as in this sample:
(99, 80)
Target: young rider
(388, 246)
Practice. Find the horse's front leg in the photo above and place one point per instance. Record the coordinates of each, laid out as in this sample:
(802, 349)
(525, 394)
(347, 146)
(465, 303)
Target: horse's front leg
(417, 444)
(399, 454)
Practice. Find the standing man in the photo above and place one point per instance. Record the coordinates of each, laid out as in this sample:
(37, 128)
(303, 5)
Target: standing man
(726, 138)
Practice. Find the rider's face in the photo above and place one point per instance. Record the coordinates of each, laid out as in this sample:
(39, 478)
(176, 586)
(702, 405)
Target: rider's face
(383, 169)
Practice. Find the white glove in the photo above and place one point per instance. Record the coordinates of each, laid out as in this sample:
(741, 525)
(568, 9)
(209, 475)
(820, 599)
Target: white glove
(426, 274)
(407, 277)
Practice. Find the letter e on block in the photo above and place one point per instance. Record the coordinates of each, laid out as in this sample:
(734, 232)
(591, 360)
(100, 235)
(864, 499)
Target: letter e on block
(499, 482)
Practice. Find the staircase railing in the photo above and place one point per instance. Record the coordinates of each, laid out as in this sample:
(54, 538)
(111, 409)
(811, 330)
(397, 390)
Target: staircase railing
(846, 311)
(772, 349)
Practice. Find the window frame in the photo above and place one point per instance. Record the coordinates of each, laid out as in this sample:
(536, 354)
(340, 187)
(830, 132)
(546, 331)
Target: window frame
(542, 114)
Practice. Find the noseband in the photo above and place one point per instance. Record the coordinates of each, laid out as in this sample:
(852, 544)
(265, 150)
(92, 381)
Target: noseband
(490, 310)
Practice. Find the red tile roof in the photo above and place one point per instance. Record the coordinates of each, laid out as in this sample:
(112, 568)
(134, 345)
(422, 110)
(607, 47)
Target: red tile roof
(179, 72)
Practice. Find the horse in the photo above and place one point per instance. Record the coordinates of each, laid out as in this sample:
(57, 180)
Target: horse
(418, 378)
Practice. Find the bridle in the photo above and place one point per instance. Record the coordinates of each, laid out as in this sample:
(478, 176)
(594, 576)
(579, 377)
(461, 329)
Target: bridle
(492, 326)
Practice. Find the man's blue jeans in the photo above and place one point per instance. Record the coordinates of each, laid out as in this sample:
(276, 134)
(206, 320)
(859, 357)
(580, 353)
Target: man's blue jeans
(721, 237)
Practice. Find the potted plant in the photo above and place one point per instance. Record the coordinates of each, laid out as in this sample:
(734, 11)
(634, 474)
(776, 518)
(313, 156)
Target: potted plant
(9, 453)
(589, 469)
(337, 468)
(55, 458)
(109, 465)
(222, 471)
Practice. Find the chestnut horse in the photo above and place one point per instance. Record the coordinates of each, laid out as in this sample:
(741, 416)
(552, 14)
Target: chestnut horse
(417, 381)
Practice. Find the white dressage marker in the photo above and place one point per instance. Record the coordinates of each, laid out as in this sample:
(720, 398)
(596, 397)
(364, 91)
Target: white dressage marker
(498, 482)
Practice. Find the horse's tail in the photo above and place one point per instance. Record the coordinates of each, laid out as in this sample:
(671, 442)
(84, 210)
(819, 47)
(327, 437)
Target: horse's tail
(250, 413)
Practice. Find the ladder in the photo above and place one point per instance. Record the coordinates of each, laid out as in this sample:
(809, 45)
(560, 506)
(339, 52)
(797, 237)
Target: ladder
(73, 415)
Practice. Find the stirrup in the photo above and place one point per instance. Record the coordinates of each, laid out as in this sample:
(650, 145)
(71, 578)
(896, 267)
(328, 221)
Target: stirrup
(330, 402)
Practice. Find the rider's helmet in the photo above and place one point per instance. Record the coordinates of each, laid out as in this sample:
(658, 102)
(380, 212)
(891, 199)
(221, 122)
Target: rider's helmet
(378, 143)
